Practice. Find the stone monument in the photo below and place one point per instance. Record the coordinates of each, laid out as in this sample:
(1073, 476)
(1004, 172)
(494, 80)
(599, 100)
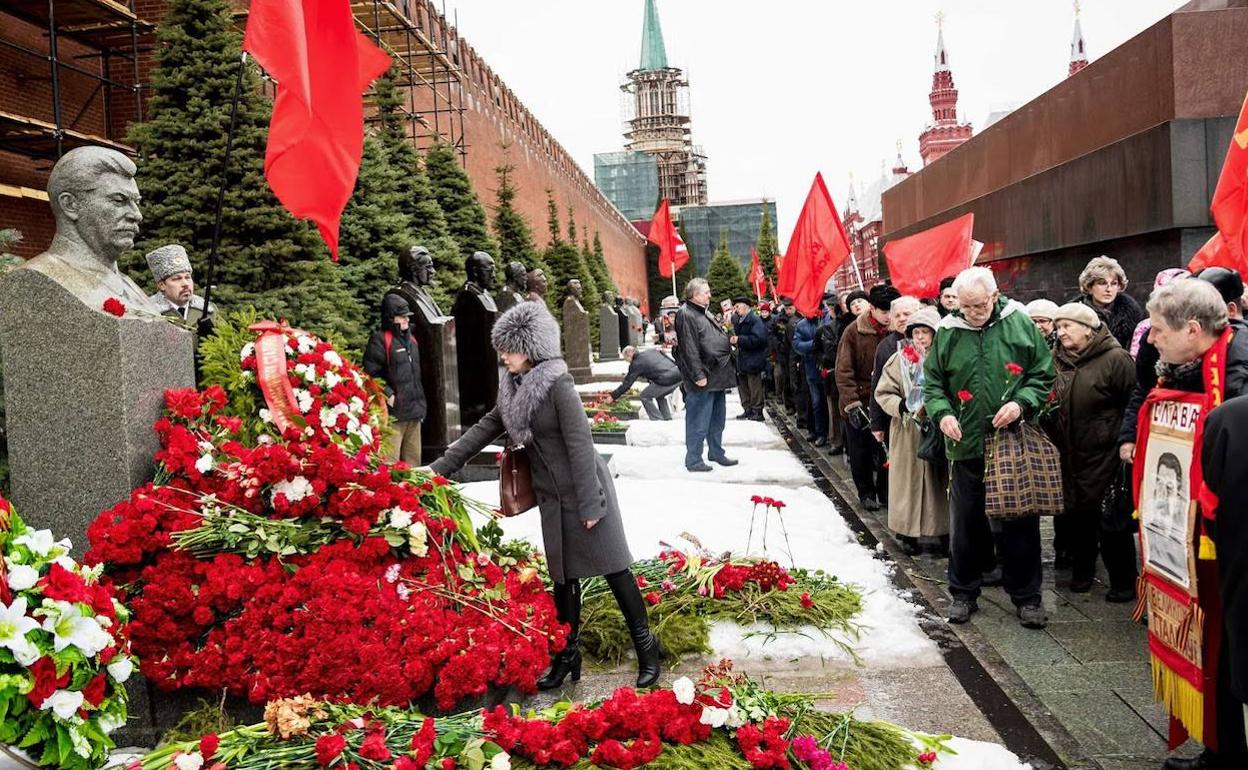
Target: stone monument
(536, 281)
(621, 320)
(631, 310)
(475, 313)
(87, 358)
(439, 366)
(608, 329)
(515, 287)
(576, 333)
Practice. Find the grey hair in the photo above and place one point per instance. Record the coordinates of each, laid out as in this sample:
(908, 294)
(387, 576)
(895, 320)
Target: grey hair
(975, 276)
(79, 169)
(628, 350)
(904, 303)
(694, 286)
(1190, 300)
(1101, 267)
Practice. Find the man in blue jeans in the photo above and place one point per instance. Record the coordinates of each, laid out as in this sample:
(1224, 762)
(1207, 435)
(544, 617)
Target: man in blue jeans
(703, 354)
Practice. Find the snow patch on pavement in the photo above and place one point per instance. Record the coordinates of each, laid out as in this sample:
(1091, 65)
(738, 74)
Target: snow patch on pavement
(737, 433)
(977, 755)
(757, 466)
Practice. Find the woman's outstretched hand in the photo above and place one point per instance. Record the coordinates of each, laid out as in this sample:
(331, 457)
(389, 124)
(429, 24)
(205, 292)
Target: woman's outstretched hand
(590, 524)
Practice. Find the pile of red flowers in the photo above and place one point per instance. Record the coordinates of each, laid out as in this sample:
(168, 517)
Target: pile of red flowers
(720, 578)
(385, 609)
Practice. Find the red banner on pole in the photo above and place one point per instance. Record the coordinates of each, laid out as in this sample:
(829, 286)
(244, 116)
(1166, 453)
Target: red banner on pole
(817, 248)
(672, 252)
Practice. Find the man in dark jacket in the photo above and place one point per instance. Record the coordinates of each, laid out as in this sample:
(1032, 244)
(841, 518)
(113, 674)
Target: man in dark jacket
(804, 345)
(827, 340)
(797, 372)
(855, 361)
(704, 357)
(778, 344)
(656, 369)
(393, 357)
(751, 336)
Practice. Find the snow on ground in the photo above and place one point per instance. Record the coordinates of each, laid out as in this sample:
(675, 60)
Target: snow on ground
(619, 368)
(978, 755)
(718, 515)
(758, 466)
(600, 387)
(737, 433)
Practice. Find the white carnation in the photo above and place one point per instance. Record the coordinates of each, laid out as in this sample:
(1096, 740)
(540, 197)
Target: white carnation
(304, 399)
(418, 539)
(64, 703)
(683, 688)
(204, 463)
(192, 761)
(715, 717)
(42, 542)
(333, 359)
(331, 379)
(121, 668)
(21, 576)
(265, 415)
(248, 351)
(501, 761)
(295, 489)
(400, 519)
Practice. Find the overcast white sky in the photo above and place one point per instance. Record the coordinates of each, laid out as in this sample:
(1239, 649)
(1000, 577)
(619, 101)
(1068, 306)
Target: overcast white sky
(781, 89)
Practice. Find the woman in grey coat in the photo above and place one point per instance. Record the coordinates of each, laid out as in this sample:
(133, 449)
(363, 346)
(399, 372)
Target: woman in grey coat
(538, 408)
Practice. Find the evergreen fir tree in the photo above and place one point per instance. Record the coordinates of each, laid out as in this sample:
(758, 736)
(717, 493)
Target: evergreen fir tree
(766, 246)
(428, 226)
(375, 228)
(465, 216)
(515, 237)
(267, 258)
(598, 266)
(725, 275)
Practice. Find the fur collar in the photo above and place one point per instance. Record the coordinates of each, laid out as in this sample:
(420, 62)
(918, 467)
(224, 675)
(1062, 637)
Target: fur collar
(520, 397)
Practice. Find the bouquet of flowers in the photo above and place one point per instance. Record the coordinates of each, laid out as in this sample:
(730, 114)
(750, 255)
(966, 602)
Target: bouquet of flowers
(64, 652)
(602, 422)
(273, 563)
(623, 406)
(721, 720)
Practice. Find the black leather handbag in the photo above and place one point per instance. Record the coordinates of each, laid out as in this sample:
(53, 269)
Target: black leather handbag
(931, 443)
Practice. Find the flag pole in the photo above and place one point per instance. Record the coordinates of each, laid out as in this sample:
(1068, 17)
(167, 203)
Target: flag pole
(205, 321)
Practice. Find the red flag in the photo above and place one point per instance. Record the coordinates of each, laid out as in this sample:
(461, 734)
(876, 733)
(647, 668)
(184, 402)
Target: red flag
(1230, 206)
(918, 262)
(816, 249)
(756, 277)
(672, 252)
(322, 66)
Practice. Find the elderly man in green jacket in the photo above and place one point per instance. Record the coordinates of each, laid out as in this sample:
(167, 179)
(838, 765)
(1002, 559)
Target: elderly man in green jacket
(988, 367)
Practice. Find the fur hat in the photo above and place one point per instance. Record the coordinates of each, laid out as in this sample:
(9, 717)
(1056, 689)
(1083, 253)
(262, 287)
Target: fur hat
(168, 260)
(1079, 313)
(924, 316)
(946, 283)
(1042, 308)
(744, 299)
(527, 328)
(882, 295)
(856, 294)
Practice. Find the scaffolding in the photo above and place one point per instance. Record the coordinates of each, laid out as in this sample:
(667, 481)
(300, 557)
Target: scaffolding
(107, 31)
(630, 180)
(426, 49)
(656, 122)
(738, 220)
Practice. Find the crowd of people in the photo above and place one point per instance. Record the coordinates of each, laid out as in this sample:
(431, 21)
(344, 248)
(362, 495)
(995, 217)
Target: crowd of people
(913, 392)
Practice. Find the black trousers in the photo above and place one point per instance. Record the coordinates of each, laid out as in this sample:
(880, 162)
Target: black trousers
(782, 383)
(971, 536)
(800, 394)
(750, 388)
(866, 463)
(1084, 538)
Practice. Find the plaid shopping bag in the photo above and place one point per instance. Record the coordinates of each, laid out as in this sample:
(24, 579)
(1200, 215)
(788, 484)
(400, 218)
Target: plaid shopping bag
(1022, 474)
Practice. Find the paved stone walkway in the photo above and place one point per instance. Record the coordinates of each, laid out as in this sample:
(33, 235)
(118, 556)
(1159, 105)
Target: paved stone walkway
(1084, 680)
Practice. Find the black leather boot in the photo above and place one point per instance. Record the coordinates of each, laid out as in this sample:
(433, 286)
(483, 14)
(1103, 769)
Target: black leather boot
(649, 651)
(568, 610)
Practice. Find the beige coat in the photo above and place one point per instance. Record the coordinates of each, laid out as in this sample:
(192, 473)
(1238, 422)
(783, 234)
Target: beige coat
(918, 499)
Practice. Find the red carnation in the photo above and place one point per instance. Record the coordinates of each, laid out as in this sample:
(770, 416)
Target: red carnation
(965, 396)
(46, 681)
(449, 763)
(328, 747)
(755, 499)
(114, 306)
(642, 582)
(807, 602)
(63, 585)
(93, 693)
(1014, 368)
(208, 745)
(927, 758)
(374, 747)
(652, 598)
(911, 354)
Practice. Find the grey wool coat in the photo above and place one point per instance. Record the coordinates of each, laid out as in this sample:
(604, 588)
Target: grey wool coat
(542, 411)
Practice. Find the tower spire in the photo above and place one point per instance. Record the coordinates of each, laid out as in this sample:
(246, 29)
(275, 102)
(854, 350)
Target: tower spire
(945, 132)
(942, 56)
(1078, 49)
(653, 52)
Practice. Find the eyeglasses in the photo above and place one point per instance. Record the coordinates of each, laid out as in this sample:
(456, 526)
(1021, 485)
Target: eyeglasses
(1106, 282)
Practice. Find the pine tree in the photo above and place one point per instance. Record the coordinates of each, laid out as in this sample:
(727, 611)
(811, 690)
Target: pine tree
(565, 263)
(766, 246)
(465, 216)
(515, 237)
(598, 266)
(428, 226)
(724, 274)
(375, 228)
(267, 258)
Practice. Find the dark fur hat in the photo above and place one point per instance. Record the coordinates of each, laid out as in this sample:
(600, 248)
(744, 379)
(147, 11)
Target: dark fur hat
(527, 328)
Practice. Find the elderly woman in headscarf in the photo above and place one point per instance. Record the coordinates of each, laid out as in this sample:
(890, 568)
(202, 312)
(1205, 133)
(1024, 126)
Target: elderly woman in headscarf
(918, 504)
(1095, 378)
(538, 408)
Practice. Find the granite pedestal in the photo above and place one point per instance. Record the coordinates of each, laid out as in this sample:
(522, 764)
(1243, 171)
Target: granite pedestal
(608, 334)
(439, 370)
(576, 339)
(82, 391)
(475, 313)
